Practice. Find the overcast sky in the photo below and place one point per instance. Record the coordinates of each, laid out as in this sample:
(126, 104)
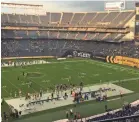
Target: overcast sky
(69, 6)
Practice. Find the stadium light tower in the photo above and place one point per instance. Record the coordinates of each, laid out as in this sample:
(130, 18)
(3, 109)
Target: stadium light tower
(22, 8)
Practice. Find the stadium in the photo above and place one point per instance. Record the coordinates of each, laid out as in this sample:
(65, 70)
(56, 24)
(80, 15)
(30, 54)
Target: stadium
(70, 66)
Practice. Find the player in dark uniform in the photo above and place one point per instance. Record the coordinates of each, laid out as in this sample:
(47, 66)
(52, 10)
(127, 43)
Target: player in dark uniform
(41, 93)
(23, 73)
(52, 95)
(17, 78)
(81, 84)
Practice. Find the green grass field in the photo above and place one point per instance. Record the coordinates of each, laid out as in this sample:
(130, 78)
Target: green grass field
(44, 76)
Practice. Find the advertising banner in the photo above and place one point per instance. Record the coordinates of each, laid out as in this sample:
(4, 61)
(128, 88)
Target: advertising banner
(133, 62)
(83, 54)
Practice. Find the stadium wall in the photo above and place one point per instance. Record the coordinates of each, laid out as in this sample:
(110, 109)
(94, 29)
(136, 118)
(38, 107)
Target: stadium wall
(133, 62)
(29, 57)
(83, 54)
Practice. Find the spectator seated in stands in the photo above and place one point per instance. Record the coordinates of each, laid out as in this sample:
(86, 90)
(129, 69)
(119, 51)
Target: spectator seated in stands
(127, 110)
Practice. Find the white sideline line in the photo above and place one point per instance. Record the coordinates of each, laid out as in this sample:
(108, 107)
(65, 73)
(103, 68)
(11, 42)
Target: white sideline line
(5, 90)
(11, 83)
(16, 86)
(115, 81)
(67, 62)
(113, 99)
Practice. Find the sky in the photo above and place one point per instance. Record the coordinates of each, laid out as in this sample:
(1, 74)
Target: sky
(66, 6)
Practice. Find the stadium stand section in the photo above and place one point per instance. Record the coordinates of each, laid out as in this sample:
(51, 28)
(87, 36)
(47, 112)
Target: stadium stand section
(124, 112)
(12, 48)
(111, 19)
(101, 33)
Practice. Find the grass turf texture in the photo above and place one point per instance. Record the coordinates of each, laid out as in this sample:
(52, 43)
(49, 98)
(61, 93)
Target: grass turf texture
(90, 72)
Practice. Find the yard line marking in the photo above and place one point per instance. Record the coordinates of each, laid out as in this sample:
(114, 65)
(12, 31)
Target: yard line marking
(16, 86)
(109, 73)
(38, 84)
(11, 83)
(66, 62)
(95, 74)
(5, 90)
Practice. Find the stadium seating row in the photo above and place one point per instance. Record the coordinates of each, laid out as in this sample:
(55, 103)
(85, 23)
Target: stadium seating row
(111, 19)
(16, 48)
(62, 35)
(126, 111)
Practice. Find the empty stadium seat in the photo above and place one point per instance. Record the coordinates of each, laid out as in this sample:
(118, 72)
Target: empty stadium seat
(44, 19)
(77, 17)
(55, 18)
(87, 19)
(4, 18)
(66, 18)
(14, 18)
(35, 19)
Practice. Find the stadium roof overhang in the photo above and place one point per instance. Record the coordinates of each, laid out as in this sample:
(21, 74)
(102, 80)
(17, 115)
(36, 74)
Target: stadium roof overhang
(21, 4)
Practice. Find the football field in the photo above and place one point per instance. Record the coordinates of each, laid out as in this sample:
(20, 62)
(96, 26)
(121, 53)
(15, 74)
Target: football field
(46, 76)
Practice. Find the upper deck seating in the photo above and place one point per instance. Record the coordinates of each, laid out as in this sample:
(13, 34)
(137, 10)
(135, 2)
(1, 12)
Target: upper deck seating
(66, 18)
(87, 19)
(98, 18)
(14, 18)
(45, 19)
(55, 18)
(77, 17)
(4, 18)
(26, 19)
(119, 20)
(35, 19)
(101, 19)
